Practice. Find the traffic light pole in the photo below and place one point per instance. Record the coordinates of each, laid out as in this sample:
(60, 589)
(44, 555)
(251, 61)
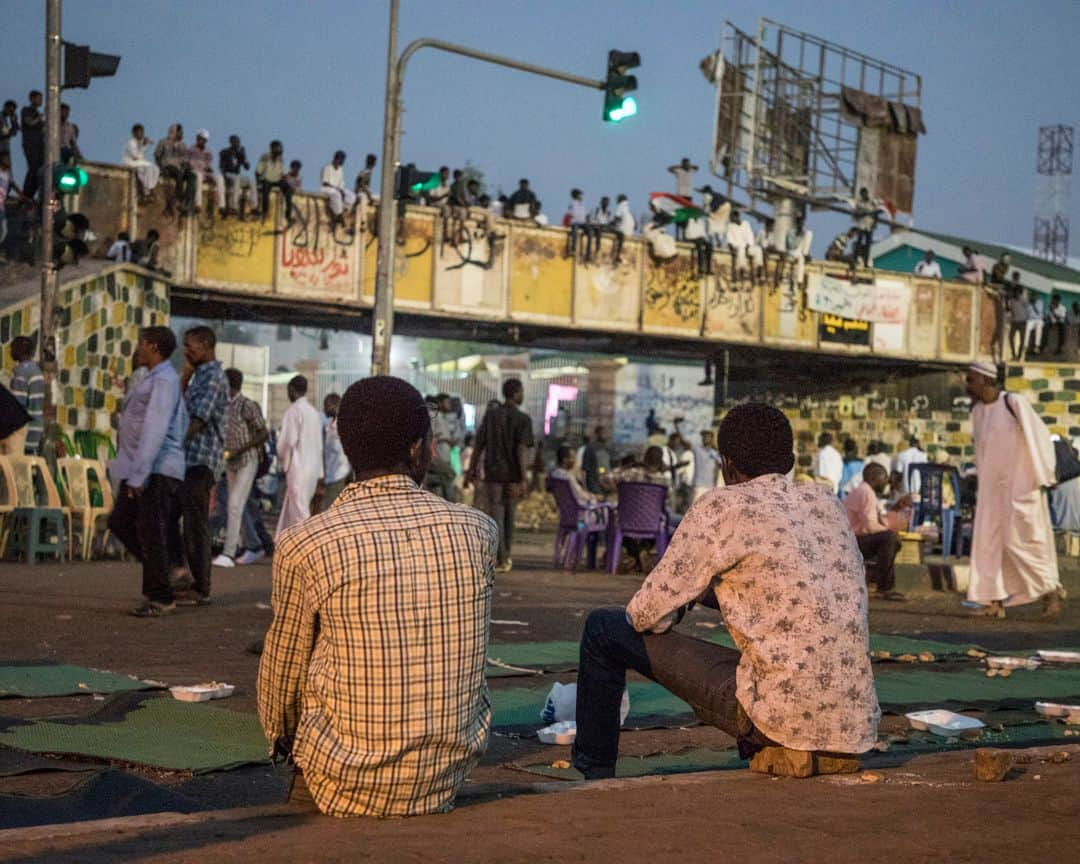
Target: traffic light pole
(383, 316)
(49, 280)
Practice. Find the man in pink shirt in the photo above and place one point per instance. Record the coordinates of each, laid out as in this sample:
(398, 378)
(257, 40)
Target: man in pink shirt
(875, 539)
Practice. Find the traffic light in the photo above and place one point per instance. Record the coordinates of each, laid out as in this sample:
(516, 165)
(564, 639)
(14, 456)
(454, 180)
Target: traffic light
(412, 183)
(69, 179)
(81, 64)
(617, 104)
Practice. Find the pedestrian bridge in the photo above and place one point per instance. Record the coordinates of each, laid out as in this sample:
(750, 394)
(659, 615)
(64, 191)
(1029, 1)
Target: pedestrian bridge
(518, 280)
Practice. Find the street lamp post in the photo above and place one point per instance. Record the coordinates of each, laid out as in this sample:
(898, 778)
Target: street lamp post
(49, 203)
(383, 315)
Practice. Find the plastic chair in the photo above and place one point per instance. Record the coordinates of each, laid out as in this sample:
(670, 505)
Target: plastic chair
(89, 496)
(642, 515)
(931, 503)
(34, 523)
(580, 526)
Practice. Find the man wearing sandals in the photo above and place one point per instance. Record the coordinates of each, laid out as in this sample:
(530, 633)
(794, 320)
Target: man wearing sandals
(1013, 559)
(781, 563)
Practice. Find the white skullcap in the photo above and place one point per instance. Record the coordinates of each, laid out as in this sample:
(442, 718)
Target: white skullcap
(202, 133)
(985, 367)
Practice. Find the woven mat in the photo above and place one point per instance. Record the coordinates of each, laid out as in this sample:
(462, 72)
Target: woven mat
(152, 730)
(37, 680)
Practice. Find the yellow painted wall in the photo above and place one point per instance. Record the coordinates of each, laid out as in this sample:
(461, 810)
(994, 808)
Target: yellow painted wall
(235, 251)
(539, 274)
(672, 297)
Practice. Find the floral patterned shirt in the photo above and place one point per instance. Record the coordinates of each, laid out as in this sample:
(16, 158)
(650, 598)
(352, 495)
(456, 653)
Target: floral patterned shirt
(789, 580)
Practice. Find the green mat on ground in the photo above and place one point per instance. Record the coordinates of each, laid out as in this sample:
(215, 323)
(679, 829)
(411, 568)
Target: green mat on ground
(924, 685)
(36, 680)
(158, 731)
(899, 687)
(706, 759)
(521, 706)
(563, 655)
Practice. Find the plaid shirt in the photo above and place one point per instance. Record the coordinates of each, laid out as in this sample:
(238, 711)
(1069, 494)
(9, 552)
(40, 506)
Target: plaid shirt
(207, 399)
(375, 658)
(245, 421)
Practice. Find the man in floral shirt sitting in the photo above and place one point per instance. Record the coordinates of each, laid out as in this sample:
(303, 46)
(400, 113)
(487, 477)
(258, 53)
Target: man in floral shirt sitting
(779, 560)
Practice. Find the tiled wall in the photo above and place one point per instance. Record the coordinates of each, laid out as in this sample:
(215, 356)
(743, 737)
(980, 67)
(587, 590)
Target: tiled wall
(1054, 391)
(99, 320)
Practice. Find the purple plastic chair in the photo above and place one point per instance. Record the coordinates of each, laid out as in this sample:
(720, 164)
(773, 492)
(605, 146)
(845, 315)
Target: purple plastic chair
(642, 515)
(580, 526)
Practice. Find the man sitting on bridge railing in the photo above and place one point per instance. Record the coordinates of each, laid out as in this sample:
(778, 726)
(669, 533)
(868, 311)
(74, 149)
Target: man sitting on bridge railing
(338, 198)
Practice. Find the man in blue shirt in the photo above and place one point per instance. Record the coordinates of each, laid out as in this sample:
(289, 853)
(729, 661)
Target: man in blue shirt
(28, 386)
(149, 466)
(206, 395)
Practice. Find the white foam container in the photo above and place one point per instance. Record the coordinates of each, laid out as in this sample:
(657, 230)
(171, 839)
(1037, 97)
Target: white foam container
(948, 724)
(1013, 662)
(563, 732)
(1060, 656)
(202, 694)
(1070, 713)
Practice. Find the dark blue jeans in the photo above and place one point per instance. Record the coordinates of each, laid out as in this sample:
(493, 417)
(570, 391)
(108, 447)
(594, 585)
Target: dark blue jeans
(698, 672)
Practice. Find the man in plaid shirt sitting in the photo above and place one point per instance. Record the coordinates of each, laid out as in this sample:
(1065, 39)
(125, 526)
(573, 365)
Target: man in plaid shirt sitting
(372, 673)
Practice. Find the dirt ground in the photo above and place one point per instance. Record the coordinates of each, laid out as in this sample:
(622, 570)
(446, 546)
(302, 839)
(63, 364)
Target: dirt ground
(921, 809)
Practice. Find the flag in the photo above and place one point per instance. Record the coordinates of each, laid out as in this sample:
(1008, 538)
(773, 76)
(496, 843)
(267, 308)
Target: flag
(680, 209)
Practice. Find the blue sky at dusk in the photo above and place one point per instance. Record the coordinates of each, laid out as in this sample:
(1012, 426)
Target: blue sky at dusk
(312, 73)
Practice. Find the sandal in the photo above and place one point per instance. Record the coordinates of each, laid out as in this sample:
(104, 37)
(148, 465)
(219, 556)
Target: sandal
(996, 609)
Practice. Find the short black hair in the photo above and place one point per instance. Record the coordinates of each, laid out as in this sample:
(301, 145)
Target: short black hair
(162, 338)
(824, 438)
(511, 387)
(236, 378)
(203, 334)
(22, 348)
(757, 438)
(441, 396)
(379, 420)
(298, 384)
(339, 154)
(563, 452)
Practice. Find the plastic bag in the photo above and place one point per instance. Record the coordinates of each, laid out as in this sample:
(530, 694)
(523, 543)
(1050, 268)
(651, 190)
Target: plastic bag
(561, 704)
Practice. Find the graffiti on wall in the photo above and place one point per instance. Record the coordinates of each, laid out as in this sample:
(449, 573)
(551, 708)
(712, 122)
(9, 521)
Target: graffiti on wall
(317, 253)
(469, 265)
(672, 297)
(235, 251)
(732, 312)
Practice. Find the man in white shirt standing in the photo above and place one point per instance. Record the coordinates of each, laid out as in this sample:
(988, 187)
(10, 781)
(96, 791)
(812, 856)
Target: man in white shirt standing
(1033, 333)
(914, 455)
(684, 185)
(1013, 557)
(300, 454)
(928, 268)
(706, 465)
(338, 197)
(336, 468)
(830, 464)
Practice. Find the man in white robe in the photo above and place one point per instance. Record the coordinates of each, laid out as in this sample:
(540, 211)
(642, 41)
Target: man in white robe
(829, 464)
(1013, 559)
(300, 454)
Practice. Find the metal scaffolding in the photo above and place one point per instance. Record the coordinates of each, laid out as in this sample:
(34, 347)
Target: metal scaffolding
(1053, 192)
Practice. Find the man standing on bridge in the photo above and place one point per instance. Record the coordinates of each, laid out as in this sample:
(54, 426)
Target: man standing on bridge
(1013, 559)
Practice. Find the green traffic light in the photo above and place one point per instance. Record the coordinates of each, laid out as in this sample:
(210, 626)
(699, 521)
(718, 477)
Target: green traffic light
(70, 179)
(627, 109)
